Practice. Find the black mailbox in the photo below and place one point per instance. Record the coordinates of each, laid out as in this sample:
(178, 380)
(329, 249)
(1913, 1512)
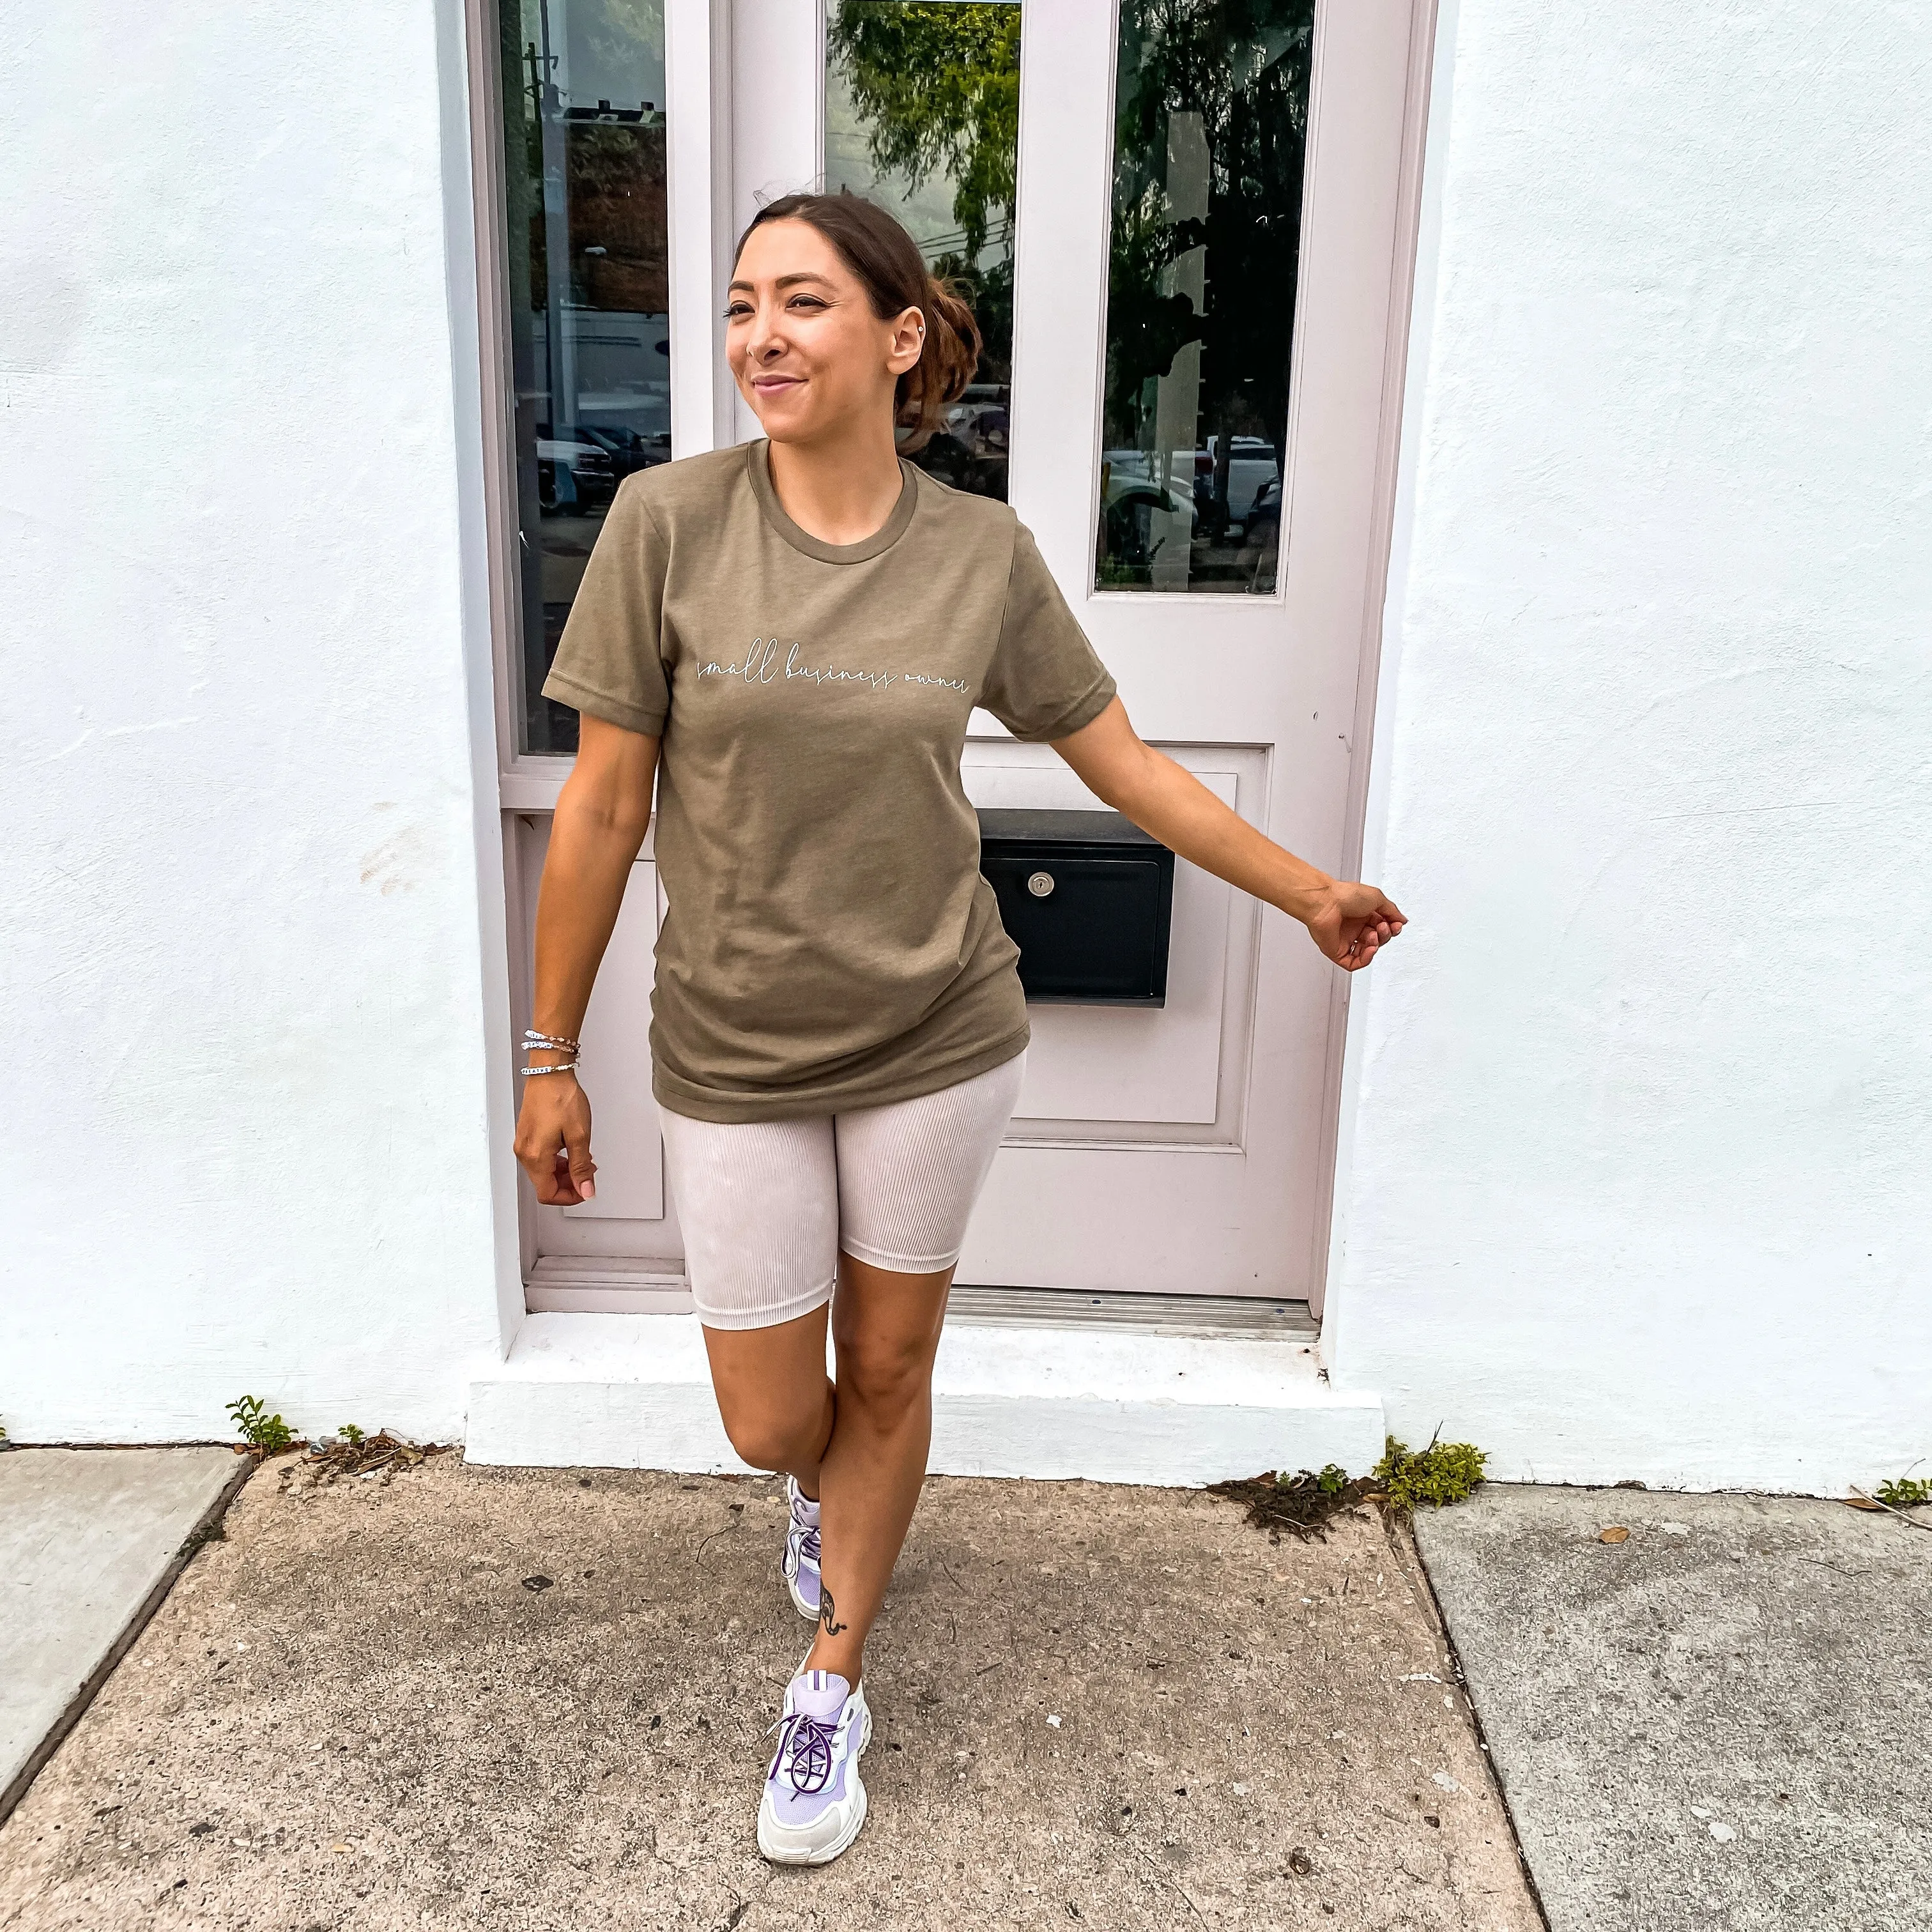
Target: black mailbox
(1087, 897)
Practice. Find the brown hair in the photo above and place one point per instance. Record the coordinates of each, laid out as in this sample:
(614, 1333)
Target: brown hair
(893, 273)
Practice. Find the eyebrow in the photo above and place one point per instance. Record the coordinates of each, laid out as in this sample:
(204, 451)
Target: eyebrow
(788, 281)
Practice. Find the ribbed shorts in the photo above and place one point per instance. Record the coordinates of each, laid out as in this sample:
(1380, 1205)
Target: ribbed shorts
(767, 1205)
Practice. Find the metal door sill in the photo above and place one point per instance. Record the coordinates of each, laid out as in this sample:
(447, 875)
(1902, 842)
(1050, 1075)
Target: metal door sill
(1206, 1315)
(602, 1284)
(605, 1285)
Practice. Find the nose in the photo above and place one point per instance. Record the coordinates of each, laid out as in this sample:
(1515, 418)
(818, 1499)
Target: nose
(763, 341)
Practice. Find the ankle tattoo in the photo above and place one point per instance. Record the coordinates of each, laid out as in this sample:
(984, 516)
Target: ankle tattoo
(827, 1612)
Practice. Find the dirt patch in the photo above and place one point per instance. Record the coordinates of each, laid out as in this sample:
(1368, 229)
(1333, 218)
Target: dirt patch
(331, 1458)
(1304, 1504)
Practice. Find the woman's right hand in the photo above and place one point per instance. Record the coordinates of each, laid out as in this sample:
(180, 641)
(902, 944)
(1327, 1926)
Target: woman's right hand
(553, 1140)
(602, 814)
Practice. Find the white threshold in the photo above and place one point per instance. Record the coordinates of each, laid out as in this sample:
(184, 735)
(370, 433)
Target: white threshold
(1028, 1383)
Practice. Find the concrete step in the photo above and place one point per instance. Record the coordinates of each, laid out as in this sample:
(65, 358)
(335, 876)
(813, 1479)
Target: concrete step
(634, 1391)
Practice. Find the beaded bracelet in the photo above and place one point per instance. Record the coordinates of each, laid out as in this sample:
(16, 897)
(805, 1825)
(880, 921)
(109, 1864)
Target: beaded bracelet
(549, 1043)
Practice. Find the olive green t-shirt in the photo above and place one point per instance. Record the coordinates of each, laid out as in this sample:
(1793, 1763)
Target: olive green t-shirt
(828, 941)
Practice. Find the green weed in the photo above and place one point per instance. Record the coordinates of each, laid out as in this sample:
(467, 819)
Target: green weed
(265, 1433)
(1444, 1472)
(1908, 1492)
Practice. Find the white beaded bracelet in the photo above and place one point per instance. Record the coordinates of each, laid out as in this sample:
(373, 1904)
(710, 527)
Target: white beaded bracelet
(550, 1042)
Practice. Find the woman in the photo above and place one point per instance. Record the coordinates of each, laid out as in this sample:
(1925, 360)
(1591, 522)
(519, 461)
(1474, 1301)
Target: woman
(788, 637)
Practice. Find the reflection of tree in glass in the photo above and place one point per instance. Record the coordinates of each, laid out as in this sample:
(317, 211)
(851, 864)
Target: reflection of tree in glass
(988, 292)
(616, 196)
(937, 83)
(584, 204)
(617, 207)
(624, 38)
(1242, 67)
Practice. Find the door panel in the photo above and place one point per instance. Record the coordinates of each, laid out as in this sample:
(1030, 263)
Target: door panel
(1104, 1076)
(616, 1044)
(1091, 1065)
(633, 1217)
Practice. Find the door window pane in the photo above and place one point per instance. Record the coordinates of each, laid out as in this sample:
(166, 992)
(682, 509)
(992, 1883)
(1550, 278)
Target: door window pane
(584, 147)
(1211, 128)
(922, 115)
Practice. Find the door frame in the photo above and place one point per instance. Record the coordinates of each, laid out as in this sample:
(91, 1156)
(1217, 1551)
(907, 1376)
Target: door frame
(1424, 15)
(702, 201)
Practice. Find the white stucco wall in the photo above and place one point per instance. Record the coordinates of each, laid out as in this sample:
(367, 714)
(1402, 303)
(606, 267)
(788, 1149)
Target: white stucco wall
(249, 976)
(1637, 1171)
(1635, 1140)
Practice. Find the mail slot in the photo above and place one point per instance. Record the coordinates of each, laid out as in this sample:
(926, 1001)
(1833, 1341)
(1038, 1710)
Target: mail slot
(1087, 897)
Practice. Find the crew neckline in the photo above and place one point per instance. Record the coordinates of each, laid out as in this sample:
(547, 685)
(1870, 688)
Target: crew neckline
(758, 467)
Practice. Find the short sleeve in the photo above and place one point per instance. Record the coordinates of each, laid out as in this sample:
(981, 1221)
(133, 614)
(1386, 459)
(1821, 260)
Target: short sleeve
(1044, 681)
(610, 662)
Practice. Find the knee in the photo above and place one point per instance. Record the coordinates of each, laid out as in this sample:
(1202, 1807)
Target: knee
(886, 1382)
(774, 1439)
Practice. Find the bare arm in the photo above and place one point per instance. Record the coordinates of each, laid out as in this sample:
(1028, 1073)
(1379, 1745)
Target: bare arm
(1348, 921)
(601, 817)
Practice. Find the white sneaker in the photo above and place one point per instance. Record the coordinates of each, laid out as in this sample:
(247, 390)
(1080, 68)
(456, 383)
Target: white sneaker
(800, 1561)
(814, 1801)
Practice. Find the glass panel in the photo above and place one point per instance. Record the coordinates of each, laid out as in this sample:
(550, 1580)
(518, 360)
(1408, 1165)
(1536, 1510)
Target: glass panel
(922, 115)
(1210, 127)
(584, 150)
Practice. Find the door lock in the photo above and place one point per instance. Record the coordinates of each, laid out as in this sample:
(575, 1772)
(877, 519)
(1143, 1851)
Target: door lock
(1040, 884)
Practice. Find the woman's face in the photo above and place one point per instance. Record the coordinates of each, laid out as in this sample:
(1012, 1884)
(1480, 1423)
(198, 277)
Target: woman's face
(809, 354)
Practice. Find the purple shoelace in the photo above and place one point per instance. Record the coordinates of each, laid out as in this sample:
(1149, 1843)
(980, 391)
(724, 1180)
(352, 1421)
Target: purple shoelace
(805, 1751)
(808, 1542)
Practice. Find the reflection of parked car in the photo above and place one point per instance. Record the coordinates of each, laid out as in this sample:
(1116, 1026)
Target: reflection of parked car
(628, 450)
(1262, 526)
(1252, 472)
(969, 450)
(574, 471)
(1251, 468)
(979, 422)
(1129, 505)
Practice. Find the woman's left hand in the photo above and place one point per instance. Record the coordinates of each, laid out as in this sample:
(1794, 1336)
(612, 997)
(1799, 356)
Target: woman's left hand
(1351, 923)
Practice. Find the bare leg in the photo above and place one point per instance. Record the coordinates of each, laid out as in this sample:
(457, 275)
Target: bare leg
(773, 1395)
(885, 1330)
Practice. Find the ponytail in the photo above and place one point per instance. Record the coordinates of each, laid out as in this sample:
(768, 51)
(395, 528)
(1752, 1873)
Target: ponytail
(886, 260)
(946, 365)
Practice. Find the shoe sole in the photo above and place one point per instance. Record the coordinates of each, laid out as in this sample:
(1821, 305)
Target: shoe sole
(775, 1851)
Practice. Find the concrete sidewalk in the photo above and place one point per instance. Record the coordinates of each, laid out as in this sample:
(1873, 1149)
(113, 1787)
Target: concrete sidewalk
(538, 1699)
(87, 1537)
(1719, 1720)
